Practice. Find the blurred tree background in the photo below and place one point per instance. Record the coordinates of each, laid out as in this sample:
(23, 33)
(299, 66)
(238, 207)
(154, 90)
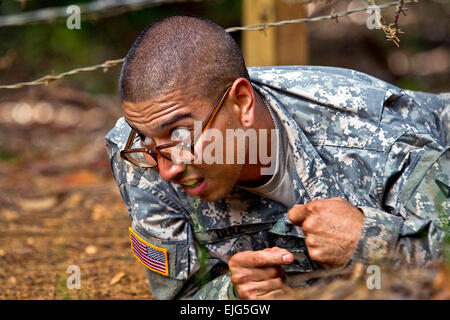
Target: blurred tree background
(422, 62)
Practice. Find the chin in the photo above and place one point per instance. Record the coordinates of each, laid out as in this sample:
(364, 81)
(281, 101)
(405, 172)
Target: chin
(210, 198)
(215, 196)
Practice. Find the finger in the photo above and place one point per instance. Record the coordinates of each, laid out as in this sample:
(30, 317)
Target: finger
(280, 294)
(298, 214)
(242, 275)
(261, 258)
(255, 290)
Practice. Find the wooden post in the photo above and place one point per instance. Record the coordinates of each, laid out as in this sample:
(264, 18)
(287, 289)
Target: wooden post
(283, 45)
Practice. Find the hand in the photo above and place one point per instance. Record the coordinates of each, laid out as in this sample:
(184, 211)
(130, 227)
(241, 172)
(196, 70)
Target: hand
(258, 274)
(332, 228)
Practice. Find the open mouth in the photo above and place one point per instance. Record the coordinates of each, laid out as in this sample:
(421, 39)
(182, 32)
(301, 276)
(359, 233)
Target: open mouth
(193, 183)
(194, 187)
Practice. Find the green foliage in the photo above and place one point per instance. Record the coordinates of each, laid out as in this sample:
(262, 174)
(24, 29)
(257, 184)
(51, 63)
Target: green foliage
(6, 156)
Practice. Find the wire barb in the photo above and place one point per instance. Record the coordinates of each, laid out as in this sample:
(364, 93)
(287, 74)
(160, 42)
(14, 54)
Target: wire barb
(392, 30)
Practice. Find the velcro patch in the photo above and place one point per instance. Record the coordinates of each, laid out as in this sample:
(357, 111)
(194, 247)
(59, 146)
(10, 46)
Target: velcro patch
(149, 255)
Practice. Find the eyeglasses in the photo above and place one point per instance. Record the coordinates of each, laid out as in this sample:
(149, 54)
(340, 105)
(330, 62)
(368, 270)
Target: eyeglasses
(176, 151)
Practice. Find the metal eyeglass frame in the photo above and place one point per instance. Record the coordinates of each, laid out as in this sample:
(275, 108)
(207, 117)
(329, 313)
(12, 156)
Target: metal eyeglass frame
(157, 150)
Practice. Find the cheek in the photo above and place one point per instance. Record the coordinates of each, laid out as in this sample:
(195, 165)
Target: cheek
(221, 178)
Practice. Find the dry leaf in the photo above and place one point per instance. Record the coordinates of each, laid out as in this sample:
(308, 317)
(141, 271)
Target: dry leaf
(9, 215)
(74, 200)
(117, 278)
(441, 284)
(100, 212)
(40, 204)
(357, 271)
(80, 178)
(91, 250)
(51, 222)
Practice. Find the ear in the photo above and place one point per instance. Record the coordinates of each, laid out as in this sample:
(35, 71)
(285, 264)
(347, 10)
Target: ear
(243, 98)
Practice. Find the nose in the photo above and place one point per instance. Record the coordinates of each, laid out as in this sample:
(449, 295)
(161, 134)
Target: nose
(169, 170)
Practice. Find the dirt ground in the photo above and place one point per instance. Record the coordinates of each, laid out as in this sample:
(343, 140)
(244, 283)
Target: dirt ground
(59, 205)
(59, 208)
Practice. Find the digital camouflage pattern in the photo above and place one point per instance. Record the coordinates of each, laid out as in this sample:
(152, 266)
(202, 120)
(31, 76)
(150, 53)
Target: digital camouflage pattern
(353, 136)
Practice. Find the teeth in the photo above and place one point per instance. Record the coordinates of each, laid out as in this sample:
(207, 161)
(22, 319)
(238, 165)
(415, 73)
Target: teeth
(190, 183)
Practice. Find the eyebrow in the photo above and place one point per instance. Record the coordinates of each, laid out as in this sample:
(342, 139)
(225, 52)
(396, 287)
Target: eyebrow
(175, 119)
(164, 125)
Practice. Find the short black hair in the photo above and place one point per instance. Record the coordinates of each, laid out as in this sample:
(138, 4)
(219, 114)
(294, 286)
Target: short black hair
(180, 51)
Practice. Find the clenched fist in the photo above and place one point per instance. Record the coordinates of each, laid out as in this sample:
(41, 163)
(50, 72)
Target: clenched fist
(258, 274)
(332, 228)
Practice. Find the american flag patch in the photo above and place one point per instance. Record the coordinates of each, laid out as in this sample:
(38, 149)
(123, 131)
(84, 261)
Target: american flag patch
(152, 257)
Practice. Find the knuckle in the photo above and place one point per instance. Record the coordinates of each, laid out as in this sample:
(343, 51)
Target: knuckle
(239, 278)
(309, 225)
(313, 206)
(310, 242)
(236, 259)
(244, 292)
(232, 262)
(315, 254)
(292, 213)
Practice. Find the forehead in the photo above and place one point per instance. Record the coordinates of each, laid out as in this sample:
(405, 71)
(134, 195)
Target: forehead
(155, 114)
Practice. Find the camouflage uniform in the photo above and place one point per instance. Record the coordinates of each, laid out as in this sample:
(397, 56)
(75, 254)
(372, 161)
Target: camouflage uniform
(353, 136)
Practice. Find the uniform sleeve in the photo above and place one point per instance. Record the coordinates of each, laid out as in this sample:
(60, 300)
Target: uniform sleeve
(219, 288)
(414, 236)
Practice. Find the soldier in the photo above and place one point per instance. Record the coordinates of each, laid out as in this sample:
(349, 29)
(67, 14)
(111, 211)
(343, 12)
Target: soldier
(336, 166)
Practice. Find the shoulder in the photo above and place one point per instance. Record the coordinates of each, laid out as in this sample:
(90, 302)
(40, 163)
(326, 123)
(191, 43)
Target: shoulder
(117, 137)
(312, 75)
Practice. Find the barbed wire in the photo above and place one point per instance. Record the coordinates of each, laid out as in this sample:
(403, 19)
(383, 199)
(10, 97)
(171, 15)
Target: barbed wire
(392, 30)
(93, 10)
(48, 78)
(332, 15)
(254, 27)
